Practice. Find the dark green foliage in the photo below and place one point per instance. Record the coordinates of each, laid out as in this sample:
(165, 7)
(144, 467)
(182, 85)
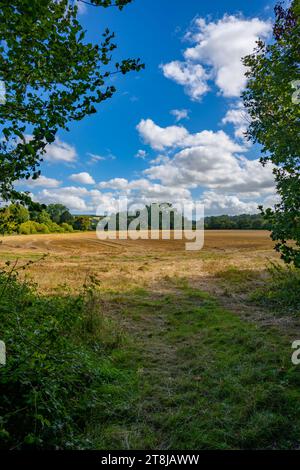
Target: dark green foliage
(274, 107)
(56, 212)
(56, 366)
(52, 76)
(82, 222)
(66, 218)
(237, 222)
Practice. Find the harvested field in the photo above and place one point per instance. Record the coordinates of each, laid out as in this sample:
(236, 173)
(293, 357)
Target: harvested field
(71, 257)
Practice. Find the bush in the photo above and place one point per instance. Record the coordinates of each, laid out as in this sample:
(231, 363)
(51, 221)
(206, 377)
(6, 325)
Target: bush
(282, 289)
(53, 227)
(66, 227)
(31, 227)
(28, 228)
(42, 228)
(53, 376)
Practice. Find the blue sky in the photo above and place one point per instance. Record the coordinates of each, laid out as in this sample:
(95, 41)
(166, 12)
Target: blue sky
(175, 130)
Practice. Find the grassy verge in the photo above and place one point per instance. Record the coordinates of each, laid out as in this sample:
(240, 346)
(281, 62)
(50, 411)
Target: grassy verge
(207, 380)
(276, 289)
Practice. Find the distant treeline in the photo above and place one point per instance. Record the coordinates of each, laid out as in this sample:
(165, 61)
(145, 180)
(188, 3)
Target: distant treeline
(220, 222)
(39, 218)
(236, 222)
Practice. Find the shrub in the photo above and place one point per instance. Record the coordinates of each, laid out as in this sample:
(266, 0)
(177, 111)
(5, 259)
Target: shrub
(54, 227)
(53, 376)
(42, 228)
(66, 227)
(28, 228)
(32, 227)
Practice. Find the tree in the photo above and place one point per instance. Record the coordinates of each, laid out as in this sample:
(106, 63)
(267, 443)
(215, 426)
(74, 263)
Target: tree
(43, 217)
(18, 213)
(52, 76)
(55, 211)
(82, 222)
(12, 216)
(66, 218)
(274, 108)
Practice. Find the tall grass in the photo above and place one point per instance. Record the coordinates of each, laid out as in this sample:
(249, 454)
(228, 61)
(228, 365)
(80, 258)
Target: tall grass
(281, 290)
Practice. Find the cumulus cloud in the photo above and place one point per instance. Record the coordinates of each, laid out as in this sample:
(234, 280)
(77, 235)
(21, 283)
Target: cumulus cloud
(216, 55)
(209, 162)
(239, 118)
(79, 199)
(218, 204)
(42, 181)
(142, 191)
(160, 138)
(70, 197)
(82, 178)
(60, 151)
(205, 159)
(192, 76)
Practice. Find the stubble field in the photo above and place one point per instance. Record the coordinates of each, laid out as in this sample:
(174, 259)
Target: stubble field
(135, 263)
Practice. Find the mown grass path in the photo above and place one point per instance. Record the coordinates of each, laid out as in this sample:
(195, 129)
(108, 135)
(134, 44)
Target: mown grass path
(192, 375)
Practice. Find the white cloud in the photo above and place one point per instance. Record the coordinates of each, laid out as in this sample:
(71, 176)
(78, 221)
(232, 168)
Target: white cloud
(115, 183)
(216, 55)
(94, 158)
(142, 191)
(83, 178)
(219, 204)
(240, 120)
(141, 154)
(42, 181)
(206, 159)
(180, 114)
(60, 151)
(64, 196)
(160, 138)
(192, 76)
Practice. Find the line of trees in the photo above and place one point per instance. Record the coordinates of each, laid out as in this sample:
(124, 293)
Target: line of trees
(237, 222)
(220, 222)
(37, 218)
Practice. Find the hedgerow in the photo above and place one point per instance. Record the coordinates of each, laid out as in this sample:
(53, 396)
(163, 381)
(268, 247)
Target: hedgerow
(56, 364)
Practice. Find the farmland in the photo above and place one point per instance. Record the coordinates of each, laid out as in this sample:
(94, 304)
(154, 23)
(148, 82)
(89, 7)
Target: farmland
(71, 257)
(196, 362)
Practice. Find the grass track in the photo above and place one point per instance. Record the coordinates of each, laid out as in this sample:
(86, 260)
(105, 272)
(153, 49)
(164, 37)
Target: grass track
(204, 379)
